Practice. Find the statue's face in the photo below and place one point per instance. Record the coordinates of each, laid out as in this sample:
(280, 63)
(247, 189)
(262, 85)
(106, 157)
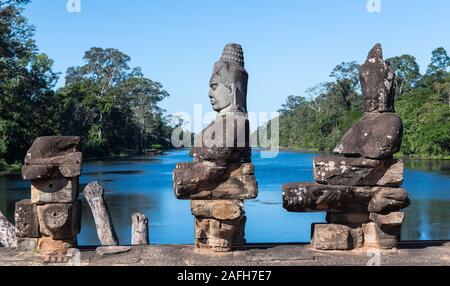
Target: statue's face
(219, 95)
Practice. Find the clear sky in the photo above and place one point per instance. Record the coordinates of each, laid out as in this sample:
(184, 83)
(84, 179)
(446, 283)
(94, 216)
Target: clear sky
(289, 45)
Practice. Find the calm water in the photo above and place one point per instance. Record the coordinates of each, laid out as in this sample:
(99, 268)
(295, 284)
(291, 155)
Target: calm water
(145, 185)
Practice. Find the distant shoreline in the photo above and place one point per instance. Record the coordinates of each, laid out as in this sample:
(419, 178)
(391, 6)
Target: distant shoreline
(398, 156)
(6, 169)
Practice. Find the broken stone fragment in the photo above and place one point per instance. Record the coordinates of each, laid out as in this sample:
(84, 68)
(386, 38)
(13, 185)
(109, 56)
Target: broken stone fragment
(384, 238)
(334, 170)
(377, 82)
(307, 197)
(49, 246)
(26, 219)
(219, 235)
(60, 221)
(54, 150)
(59, 190)
(392, 219)
(375, 136)
(112, 250)
(218, 209)
(336, 237)
(348, 219)
(389, 200)
(238, 185)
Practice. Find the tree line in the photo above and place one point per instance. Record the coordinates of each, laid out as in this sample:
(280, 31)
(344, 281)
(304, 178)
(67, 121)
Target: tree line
(317, 120)
(110, 104)
(114, 108)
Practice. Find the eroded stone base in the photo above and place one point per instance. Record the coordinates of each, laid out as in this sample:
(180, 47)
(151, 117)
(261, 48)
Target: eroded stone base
(220, 235)
(347, 231)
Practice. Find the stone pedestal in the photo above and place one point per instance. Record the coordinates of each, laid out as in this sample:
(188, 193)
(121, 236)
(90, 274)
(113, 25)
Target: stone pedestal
(217, 204)
(219, 225)
(51, 220)
(360, 188)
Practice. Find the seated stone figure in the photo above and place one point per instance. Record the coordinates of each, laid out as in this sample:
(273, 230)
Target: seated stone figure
(222, 175)
(378, 134)
(221, 152)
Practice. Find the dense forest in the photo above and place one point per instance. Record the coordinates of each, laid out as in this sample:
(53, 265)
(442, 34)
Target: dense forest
(110, 104)
(317, 120)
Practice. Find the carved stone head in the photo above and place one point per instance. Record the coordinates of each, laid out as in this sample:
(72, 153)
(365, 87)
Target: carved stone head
(228, 84)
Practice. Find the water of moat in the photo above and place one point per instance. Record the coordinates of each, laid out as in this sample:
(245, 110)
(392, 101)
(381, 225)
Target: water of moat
(144, 184)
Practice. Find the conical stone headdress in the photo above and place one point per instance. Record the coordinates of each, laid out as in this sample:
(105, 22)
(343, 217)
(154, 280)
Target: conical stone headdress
(230, 69)
(233, 53)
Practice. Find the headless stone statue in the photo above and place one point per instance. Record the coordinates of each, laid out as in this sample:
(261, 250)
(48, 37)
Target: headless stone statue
(361, 188)
(378, 134)
(222, 175)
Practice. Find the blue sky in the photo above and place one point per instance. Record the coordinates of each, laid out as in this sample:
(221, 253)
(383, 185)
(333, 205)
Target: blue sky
(289, 45)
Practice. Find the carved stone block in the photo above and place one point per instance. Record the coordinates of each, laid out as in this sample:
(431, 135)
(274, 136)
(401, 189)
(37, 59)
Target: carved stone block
(334, 170)
(219, 235)
(306, 197)
(336, 237)
(218, 209)
(59, 190)
(203, 181)
(54, 150)
(60, 221)
(27, 244)
(384, 238)
(26, 219)
(44, 172)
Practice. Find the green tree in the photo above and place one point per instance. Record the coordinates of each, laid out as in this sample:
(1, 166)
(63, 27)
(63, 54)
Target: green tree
(319, 120)
(26, 82)
(407, 72)
(440, 62)
(113, 106)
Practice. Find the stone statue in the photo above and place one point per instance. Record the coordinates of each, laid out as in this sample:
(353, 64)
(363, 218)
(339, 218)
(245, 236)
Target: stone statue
(361, 189)
(378, 134)
(222, 175)
(220, 142)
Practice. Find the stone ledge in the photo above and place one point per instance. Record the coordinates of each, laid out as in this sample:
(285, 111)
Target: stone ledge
(408, 254)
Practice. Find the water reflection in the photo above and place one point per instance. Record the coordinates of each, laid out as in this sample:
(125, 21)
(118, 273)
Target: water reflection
(144, 184)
